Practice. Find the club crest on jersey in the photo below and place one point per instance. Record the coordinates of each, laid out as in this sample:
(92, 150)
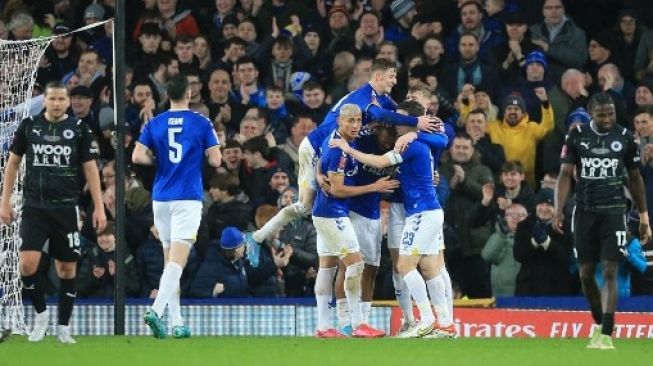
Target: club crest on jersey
(374, 101)
(616, 146)
(68, 134)
(342, 166)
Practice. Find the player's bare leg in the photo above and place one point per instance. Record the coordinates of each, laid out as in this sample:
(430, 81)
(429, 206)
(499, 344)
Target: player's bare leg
(29, 262)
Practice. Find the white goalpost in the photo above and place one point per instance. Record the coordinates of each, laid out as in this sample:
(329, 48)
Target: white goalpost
(18, 65)
(19, 62)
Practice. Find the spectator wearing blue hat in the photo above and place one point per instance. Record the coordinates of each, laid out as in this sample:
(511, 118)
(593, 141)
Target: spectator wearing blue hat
(533, 76)
(222, 273)
(403, 12)
(577, 117)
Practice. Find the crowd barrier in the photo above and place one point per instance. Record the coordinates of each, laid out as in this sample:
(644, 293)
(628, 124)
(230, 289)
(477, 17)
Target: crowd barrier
(512, 317)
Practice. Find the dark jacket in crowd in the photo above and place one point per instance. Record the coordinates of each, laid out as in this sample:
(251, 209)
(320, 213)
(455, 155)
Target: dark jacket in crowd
(238, 277)
(543, 272)
(302, 237)
(90, 286)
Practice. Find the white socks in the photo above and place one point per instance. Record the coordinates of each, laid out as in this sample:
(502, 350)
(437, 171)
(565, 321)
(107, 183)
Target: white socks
(342, 309)
(353, 276)
(167, 287)
(278, 221)
(174, 307)
(436, 289)
(366, 309)
(448, 290)
(323, 294)
(403, 297)
(417, 288)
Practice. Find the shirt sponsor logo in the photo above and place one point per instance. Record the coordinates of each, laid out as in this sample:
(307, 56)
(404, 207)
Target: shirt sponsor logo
(598, 168)
(379, 172)
(51, 155)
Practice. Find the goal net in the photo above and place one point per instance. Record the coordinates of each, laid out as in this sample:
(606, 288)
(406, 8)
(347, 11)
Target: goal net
(18, 65)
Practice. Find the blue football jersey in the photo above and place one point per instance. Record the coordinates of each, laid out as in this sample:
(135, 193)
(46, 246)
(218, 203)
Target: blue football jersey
(363, 97)
(336, 161)
(178, 139)
(416, 178)
(368, 205)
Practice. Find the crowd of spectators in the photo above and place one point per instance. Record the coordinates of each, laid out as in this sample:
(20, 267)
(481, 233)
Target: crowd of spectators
(508, 77)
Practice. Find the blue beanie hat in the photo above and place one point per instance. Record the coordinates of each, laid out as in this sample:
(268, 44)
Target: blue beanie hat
(231, 238)
(580, 115)
(536, 56)
(399, 8)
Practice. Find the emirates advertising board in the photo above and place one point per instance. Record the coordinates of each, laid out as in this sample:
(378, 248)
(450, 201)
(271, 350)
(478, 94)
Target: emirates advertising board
(512, 323)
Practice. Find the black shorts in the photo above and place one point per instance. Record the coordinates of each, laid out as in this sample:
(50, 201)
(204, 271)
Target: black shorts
(598, 236)
(55, 226)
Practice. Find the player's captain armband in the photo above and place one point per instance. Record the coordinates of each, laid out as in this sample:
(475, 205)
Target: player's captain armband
(394, 157)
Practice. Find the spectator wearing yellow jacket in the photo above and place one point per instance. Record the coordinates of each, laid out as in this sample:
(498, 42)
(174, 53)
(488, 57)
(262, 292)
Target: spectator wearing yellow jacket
(518, 135)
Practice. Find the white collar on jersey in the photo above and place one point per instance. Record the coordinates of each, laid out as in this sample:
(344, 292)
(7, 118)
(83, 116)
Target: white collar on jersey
(596, 131)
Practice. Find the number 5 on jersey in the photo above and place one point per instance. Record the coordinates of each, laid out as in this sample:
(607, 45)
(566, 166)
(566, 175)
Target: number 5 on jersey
(175, 149)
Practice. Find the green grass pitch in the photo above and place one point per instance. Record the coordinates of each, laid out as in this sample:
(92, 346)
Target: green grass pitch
(268, 351)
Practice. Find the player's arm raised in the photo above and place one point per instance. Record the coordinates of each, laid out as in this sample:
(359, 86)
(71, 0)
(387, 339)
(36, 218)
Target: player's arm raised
(340, 190)
(377, 161)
